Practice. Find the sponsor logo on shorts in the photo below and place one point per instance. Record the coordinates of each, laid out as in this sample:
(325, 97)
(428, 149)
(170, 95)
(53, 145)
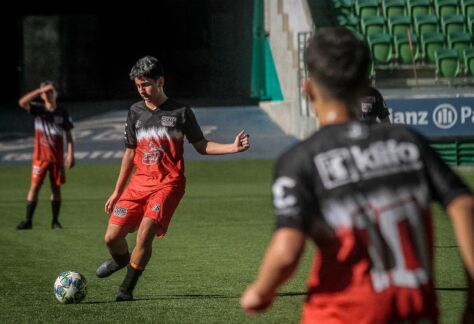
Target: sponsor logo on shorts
(120, 211)
(168, 121)
(156, 208)
(36, 170)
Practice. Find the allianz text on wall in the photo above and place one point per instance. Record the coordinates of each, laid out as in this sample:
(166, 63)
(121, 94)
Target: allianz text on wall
(440, 117)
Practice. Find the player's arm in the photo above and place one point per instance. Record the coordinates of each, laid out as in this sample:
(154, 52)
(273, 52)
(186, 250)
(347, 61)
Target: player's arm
(279, 263)
(125, 170)
(240, 144)
(70, 150)
(385, 120)
(24, 101)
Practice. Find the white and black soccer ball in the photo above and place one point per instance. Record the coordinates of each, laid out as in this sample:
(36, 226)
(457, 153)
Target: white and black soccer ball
(70, 287)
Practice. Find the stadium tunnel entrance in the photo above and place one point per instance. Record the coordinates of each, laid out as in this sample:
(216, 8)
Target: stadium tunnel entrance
(205, 47)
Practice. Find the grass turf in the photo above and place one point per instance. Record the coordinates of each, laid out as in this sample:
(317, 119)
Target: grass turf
(198, 271)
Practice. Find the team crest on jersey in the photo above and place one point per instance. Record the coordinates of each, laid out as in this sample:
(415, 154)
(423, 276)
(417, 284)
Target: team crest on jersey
(168, 121)
(151, 157)
(156, 208)
(120, 211)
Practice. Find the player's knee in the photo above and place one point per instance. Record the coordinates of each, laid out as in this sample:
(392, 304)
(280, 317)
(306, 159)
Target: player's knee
(110, 239)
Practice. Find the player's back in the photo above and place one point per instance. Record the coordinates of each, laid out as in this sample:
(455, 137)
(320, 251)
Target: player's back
(364, 198)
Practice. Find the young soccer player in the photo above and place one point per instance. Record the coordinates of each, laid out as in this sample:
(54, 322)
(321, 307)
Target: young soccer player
(51, 123)
(361, 192)
(154, 137)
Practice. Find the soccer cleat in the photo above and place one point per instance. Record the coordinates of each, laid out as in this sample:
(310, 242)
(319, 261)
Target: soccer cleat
(24, 225)
(124, 295)
(56, 225)
(107, 268)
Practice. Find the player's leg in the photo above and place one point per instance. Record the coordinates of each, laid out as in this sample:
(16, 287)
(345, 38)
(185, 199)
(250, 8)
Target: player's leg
(118, 248)
(38, 173)
(56, 178)
(158, 212)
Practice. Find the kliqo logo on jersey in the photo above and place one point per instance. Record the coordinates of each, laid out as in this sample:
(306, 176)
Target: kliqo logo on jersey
(168, 121)
(120, 211)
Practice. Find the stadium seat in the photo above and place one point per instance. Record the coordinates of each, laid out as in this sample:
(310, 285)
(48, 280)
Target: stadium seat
(468, 58)
(430, 43)
(351, 22)
(459, 41)
(399, 25)
(426, 24)
(446, 7)
(470, 24)
(447, 63)
(419, 8)
(393, 8)
(381, 48)
(365, 8)
(344, 7)
(452, 24)
(372, 25)
(402, 48)
(467, 8)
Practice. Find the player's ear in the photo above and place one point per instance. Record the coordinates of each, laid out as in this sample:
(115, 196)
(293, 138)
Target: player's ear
(160, 82)
(308, 88)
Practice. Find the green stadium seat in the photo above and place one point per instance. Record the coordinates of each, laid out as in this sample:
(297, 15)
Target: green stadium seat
(467, 8)
(446, 7)
(372, 25)
(426, 24)
(418, 8)
(459, 41)
(393, 8)
(344, 7)
(381, 48)
(402, 48)
(430, 43)
(470, 24)
(468, 59)
(399, 25)
(365, 8)
(351, 22)
(452, 24)
(447, 63)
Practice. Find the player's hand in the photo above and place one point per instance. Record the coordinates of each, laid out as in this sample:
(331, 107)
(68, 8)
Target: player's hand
(70, 161)
(241, 142)
(253, 302)
(109, 205)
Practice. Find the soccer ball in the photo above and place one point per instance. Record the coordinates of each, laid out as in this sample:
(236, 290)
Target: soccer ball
(70, 287)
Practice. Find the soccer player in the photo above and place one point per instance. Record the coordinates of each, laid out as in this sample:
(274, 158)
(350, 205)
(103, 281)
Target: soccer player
(154, 136)
(373, 107)
(51, 123)
(361, 192)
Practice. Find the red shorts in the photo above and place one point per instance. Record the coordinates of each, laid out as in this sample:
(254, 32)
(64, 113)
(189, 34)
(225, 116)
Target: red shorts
(159, 205)
(39, 169)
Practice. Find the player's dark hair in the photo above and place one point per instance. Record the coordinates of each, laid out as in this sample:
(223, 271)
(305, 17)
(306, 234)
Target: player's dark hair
(339, 62)
(48, 82)
(147, 66)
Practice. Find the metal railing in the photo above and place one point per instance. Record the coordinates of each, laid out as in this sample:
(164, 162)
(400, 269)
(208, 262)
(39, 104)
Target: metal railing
(302, 74)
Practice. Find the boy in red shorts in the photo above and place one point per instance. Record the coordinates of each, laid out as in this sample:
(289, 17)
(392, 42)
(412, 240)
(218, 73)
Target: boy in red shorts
(51, 123)
(154, 138)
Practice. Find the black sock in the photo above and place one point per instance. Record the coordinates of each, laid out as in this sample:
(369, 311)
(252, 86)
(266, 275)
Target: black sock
(55, 206)
(121, 259)
(30, 210)
(130, 280)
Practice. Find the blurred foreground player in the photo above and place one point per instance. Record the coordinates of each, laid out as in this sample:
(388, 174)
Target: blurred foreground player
(360, 192)
(51, 123)
(373, 107)
(154, 138)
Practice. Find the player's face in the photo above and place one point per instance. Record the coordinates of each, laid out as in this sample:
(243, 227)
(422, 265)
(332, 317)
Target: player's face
(149, 89)
(49, 96)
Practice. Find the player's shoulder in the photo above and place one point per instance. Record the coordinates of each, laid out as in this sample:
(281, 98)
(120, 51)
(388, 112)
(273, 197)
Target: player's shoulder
(174, 105)
(137, 106)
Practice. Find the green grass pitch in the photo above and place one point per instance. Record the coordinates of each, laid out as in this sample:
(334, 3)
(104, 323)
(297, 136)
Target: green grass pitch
(198, 271)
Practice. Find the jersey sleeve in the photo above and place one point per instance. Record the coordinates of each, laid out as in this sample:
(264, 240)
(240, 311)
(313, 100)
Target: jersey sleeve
(192, 130)
(130, 136)
(293, 199)
(68, 124)
(36, 108)
(444, 183)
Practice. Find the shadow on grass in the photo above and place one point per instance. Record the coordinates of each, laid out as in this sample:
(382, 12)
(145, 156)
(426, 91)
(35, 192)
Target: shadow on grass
(451, 289)
(191, 296)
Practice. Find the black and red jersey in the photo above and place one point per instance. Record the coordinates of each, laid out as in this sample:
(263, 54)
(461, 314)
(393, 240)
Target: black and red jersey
(158, 137)
(49, 132)
(362, 193)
